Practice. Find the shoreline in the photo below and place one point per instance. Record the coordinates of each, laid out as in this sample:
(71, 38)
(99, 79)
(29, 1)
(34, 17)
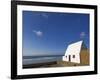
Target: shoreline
(54, 64)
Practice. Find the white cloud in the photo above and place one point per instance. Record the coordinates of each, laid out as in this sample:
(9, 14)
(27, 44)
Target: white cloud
(38, 33)
(82, 34)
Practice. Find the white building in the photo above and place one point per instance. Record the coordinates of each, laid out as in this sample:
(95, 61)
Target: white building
(72, 53)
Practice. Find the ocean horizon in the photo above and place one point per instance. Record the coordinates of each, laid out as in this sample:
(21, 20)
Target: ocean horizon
(40, 59)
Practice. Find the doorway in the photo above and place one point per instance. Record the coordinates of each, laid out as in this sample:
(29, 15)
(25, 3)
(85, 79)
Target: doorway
(69, 57)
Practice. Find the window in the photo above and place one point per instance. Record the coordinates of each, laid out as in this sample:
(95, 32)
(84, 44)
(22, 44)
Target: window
(73, 56)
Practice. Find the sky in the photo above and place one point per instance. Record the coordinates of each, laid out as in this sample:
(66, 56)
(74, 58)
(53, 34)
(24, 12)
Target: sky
(50, 33)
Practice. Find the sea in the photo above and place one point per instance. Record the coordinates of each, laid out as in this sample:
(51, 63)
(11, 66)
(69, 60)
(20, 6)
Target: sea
(40, 59)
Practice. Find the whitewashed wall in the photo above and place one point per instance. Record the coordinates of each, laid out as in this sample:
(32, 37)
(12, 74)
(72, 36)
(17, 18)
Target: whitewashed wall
(73, 49)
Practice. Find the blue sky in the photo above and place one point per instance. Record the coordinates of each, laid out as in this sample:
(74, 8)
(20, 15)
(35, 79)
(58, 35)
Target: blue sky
(49, 33)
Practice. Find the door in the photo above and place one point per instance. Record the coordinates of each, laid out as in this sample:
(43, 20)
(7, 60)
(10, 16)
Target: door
(69, 58)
